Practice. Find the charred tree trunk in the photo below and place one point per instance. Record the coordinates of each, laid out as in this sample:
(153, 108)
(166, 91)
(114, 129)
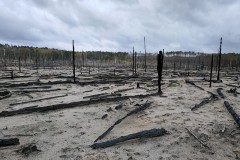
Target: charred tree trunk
(133, 61)
(145, 56)
(19, 64)
(141, 108)
(219, 60)
(210, 85)
(73, 63)
(159, 69)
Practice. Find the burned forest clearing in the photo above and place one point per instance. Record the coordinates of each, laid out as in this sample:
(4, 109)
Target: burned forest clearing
(118, 115)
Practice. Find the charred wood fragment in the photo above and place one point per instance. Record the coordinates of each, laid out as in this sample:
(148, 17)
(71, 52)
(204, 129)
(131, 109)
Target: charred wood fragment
(192, 83)
(68, 105)
(142, 134)
(207, 100)
(232, 112)
(140, 108)
(35, 100)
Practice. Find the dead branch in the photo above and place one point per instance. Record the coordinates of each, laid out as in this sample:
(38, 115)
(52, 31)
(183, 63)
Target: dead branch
(142, 134)
(40, 99)
(95, 95)
(68, 105)
(106, 96)
(205, 145)
(18, 135)
(35, 87)
(207, 100)
(123, 90)
(36, 83)
(32, 90)
(232, 112)
(140, 108)
(192, 83)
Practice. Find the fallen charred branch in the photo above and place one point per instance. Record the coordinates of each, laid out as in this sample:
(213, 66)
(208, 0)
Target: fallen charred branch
(123, 90)
(192, 83)
(7, 85)
(207, 100)
(232, 112)
(205, 145)
(106, 96)
(8, 77)
(5, 94)
(35, 100)
(9, 142)
(35, 87)
(220, 93)
(68, 105)
(35, 90)
(105, 81)
(142, 134)
(95, 95)
(140, 108)
(233, 91)
(36, 83)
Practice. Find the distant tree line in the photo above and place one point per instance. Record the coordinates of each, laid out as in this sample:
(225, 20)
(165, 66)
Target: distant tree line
(48, 57)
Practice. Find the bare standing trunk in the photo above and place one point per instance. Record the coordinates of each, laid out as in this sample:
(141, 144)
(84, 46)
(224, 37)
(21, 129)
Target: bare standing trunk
(73, 62)
(219, 59)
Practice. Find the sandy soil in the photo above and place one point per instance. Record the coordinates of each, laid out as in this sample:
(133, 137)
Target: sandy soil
(68, 133)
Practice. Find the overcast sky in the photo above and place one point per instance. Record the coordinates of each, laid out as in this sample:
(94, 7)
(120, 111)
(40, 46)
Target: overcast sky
(118, 25)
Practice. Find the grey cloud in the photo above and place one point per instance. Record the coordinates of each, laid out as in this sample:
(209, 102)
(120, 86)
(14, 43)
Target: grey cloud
(118, 25)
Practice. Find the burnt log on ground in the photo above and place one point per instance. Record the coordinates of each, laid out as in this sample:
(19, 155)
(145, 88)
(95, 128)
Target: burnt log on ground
(123, 90)
(69, 105)
(35, 87)
(106, 96)
(142, 134)
(5, 94)
(7, 85)
(95, 95)
(35, 100)
(213, 97)
(35, 90)
(232, 112)
(220, 93)
(35, 83)
(8, 77)
(140, 108)
(192, 83)
(9, 142)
